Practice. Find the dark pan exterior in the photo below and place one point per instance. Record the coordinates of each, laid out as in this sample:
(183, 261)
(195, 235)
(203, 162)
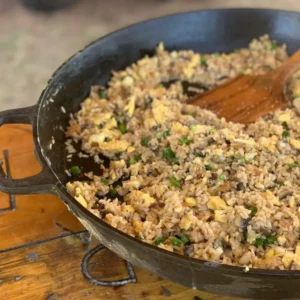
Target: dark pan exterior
(206, 31)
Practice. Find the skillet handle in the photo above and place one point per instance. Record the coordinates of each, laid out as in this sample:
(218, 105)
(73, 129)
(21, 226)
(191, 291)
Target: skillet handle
(42, 182)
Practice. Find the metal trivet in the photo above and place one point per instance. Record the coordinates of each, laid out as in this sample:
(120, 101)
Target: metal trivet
(84, 268)
(12, 198)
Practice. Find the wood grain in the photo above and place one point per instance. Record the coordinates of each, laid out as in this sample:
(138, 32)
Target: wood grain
(36, 217)
(54, 273)
(247, 98)
(42, 246)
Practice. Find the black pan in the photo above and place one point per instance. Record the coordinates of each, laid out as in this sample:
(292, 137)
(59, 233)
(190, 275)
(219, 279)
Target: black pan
(206, 31)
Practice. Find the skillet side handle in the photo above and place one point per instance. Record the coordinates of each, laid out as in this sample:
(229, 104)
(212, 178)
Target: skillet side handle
(42, 182)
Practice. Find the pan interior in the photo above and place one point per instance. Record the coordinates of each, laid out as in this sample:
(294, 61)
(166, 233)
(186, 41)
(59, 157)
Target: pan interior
(205, 31)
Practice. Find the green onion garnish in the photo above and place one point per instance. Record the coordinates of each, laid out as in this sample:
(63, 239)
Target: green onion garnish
(272, 46)
(103, 94)
(293, 166)
(264, 241)
(75, 170)
(122, 128)
(217, 54)
(284, 124)
(176, 242)
(169, 155)
(175, 182)
(166, 133)
(286, 134)
(113, 193)
(185, 239)
(145, 141)
(135, 159)
(270, 240)
(243, 160)
(203, 60)
(222, 177)
(158, 241)
(184, 141)
(259, 241)
(253, 210)
(104, 181)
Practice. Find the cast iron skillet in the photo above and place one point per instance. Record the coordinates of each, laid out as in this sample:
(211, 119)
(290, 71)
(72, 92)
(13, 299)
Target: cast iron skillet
(206, 31)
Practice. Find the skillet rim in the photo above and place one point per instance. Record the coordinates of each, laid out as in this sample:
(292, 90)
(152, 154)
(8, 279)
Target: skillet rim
(63, 193)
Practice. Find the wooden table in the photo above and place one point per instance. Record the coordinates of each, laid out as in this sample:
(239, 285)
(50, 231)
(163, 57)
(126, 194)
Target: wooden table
(42, 245)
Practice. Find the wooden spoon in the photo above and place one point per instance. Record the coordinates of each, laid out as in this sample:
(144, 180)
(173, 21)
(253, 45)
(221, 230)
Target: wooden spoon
(246, 98)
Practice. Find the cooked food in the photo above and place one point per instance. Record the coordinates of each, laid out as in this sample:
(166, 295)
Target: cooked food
(175, 176)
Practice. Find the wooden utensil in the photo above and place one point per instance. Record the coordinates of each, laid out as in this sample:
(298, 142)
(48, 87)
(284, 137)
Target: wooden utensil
(246, 98)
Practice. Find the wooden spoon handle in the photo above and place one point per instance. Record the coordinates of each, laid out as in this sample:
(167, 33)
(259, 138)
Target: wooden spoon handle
(283, 73)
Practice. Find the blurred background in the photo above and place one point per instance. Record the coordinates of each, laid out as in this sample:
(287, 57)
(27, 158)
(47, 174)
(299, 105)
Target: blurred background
(36, 36)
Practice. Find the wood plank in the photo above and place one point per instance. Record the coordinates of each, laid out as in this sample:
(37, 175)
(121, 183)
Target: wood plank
(36, 217)
(54, 272)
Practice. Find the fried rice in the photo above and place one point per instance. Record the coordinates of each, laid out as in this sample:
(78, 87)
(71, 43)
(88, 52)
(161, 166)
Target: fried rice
(176, 176)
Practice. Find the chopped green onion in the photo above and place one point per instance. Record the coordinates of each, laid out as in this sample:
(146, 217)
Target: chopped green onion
(203, 60)
(145, 141)
(132, 161)
(122, 128)
(176, 242)
(293, 166)
(217, 54)
(270, 240)
(190, 113)
(259, 241)
(75, 170)
(158, 241)
(160, 85)
(175, 182)
(166, 133)
(135, 159)
(264, 241)
(138, 157)
(184, 141)
(113, 193)
(185, 239)
(284, 124)
(286, 134)
(169, 155)
(222, 177)
(253, 210)
(199, 154)
(243, 160)
(104, 181)
(272, 46)
(213, 129)
(103, 94)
